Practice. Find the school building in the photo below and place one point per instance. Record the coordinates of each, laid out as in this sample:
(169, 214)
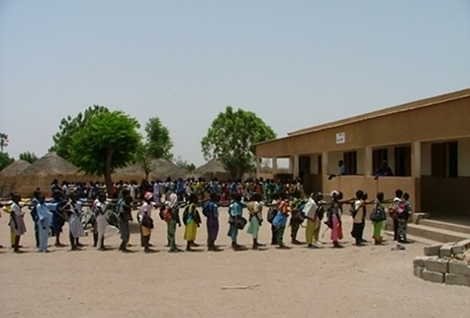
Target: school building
(426, 144)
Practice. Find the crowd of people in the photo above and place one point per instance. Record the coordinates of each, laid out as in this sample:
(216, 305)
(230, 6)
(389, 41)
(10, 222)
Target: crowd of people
(284, 202)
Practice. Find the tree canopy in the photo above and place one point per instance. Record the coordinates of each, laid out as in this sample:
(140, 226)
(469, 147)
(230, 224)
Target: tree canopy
(5, 160)
(106, 141)
(28, 156)
(144, 159)
(3, 141)
(184, 164)
(158, 141)
(232, 137)
(69, 126)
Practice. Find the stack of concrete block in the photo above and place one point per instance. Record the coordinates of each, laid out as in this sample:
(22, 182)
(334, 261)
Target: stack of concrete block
(441, 264)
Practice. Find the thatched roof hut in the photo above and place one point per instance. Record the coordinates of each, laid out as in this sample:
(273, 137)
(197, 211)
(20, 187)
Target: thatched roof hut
(212, 169)
(48, 165)
(15, 168)
(161, 169)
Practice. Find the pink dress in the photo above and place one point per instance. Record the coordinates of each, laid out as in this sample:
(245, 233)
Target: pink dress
(336, 231)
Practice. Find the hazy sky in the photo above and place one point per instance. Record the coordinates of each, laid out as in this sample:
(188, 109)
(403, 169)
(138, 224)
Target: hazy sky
(294, 63)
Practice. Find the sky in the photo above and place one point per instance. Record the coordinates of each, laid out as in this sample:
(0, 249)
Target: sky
(294, 63)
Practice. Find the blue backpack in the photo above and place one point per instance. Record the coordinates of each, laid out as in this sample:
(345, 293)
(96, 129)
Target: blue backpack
(209, 209)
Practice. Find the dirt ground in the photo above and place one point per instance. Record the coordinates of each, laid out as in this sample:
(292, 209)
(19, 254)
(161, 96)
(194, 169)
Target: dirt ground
(361, 282)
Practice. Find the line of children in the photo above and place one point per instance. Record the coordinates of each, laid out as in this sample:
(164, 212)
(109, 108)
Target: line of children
(313, 212)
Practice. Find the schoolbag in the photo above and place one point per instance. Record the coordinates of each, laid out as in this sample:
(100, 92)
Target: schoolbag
(271, 215)
(186, 215)
(378, 214)
(147, 221)
(165, 214)
(208, 209)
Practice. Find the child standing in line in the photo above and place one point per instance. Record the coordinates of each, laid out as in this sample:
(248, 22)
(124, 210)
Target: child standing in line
(334, 219)
(296, 216)
(358, 214)
(409, 209)
(17, 224)
(280, 222)
(57, 219)
(393, 211)
(255, 209)
(402, 217)
(377, 217)
(34, 214)
(273, 210)
(311, 210)
(124, 208)
(236, 212)
(146, 222)
(43, 220)
(101, 212)
(73, 208)
(211, 212)
(172, 220)
(192, 221)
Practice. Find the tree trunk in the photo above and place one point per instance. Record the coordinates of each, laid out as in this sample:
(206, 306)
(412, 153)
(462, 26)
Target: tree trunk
(107, 173)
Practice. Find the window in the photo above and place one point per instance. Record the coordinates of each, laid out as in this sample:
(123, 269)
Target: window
(444, 159)
(350, 161)
(403, 161)
(378, 156)
(304, 164)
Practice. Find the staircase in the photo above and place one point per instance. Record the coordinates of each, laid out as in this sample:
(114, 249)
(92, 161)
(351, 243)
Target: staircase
(434, 230)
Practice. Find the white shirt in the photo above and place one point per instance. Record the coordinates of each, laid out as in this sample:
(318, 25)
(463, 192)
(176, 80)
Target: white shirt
(16, 209)
(145, 208)
(132, 191)
(358, 207)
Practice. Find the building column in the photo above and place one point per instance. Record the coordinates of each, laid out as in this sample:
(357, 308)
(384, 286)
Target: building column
(416, 175)
(368, 162)
(324, 163)
(274, 159)
(416, 159)
(295, 171)
(291, 164)
(258, 166)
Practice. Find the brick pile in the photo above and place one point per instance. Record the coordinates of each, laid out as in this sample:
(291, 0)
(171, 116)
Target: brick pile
(445, 264)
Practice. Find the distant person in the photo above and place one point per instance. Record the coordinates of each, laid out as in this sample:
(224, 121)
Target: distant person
(384, 170)
(342, 168)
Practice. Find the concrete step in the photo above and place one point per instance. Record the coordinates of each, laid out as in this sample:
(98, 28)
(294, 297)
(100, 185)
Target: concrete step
(431, 233)
(445, 226)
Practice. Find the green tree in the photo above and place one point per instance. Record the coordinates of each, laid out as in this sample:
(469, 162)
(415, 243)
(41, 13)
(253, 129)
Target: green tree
(158, 139)
(28, 156)
(69, 126)
(5, 160)
(180, 162)
(144, 159)
(3, 141)
(106, 141)
(232, 137)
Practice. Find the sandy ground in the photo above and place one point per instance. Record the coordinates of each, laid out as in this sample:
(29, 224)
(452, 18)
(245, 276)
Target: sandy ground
(368, 281)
